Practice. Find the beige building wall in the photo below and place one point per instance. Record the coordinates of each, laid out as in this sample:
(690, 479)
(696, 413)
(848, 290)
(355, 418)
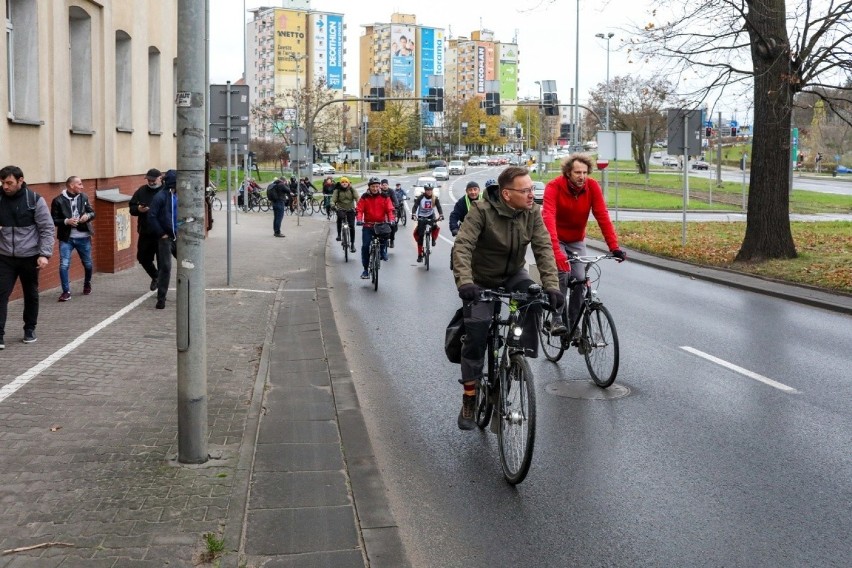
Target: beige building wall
(46, 146)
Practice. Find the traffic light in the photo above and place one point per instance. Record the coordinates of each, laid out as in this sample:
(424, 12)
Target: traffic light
(564, 130)
(377, 94)
(733, 131)
(551, 104)
(464, 129)
(482, 129)
(492, 104)
(503, 131)
(708, 132)
(436, 99)
(519, 132)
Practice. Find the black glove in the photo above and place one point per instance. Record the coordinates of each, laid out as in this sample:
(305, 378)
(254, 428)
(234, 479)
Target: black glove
(455, 232)
(469, 292)
(556, 299)
(619, 255)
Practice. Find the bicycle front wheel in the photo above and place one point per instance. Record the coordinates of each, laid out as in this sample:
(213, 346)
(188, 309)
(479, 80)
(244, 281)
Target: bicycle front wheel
(345, 242)
(600, 345)
(517, 419)
(315, 205)
(552, 345)
(264, 204)
(402, 216)
(427, 249)
(375, 263)
(216, 204)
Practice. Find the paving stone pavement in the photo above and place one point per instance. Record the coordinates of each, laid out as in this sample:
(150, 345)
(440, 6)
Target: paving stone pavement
(88, 444)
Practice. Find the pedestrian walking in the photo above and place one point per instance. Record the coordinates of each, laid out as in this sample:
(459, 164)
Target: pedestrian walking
(162, 220)
(26, 245)
(72, 214)
(140, 204)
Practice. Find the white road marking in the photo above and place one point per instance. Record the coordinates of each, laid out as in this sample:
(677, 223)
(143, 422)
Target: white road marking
(241, 290)
(9, 389)
(740, 370)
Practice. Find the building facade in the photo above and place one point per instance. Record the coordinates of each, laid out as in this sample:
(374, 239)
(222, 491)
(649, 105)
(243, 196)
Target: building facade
(88, 91)
(473, 62)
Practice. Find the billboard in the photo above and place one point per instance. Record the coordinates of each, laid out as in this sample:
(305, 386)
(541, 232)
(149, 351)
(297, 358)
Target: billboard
(431, 62)
(402, 58)
(327, 49)
(290, 39)
(507, 70)
(484, 64)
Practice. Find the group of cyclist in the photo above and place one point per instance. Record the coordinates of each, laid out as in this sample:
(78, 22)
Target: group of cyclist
(492, 229)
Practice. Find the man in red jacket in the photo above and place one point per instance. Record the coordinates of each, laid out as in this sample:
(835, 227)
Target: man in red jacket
(568, 200)
(373, 208)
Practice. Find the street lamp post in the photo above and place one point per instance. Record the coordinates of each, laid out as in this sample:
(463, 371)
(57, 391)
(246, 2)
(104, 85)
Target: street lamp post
(540, 124)
(607, 37)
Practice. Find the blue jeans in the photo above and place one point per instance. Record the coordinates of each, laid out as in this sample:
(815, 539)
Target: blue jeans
(83, 246)
(277, 215)
(366, 239)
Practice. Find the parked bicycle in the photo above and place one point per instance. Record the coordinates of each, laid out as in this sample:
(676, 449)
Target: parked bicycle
(598, 340)
(505, 395)
(210, 195)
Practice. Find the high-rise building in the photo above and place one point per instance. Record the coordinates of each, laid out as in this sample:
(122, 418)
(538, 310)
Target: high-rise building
(472, 62)
(405, 54)
(291, 48)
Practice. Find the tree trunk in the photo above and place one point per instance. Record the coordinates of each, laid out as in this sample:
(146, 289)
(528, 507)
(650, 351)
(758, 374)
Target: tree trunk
(768, 233)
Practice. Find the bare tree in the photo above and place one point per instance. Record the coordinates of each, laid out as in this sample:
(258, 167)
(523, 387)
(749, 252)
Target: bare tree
(637, 105)
(779, 52)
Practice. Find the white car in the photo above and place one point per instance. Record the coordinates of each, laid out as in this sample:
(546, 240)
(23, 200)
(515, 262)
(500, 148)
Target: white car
(457, 168)
(670, 161)
(538, 191)
(327, 169)
(316, 170)
(441, 173)
(421, 181)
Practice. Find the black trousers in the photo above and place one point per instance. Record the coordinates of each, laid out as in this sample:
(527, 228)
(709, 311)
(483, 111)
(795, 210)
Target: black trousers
(11, 269)
(146, 252)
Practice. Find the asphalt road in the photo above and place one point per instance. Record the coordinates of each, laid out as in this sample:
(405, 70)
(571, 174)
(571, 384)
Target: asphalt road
(701, 464)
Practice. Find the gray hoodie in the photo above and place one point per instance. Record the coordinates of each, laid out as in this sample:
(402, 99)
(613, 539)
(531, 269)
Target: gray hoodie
(26, 227)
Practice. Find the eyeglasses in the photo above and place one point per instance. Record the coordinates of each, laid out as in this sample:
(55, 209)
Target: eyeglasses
(525, 190)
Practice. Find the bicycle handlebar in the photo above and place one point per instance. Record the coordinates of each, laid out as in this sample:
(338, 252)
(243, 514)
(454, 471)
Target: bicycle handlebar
(589, 258)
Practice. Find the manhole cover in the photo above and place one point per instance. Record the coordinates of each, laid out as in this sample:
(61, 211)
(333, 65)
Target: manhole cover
(586, 390)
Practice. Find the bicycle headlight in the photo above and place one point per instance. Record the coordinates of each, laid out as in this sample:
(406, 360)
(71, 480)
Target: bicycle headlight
(516, 331)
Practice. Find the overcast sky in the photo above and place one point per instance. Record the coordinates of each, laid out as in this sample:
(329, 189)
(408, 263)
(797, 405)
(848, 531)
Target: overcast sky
(545, 31)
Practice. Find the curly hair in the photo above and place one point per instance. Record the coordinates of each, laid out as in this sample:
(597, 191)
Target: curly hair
(568, 162)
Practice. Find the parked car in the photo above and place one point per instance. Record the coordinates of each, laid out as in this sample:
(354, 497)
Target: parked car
(538, 191)
(441, 173)
(460, 154)
(657, 155)
(421, 181)
(316, 170)
(327, 169)
(670, 161)
(700, 165)
(457, 168)
(842, 170)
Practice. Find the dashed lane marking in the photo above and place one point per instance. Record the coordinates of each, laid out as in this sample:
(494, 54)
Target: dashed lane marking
(740, 370)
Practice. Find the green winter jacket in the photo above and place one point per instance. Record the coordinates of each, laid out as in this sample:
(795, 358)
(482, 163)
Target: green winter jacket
(345, 199)
(492, 244)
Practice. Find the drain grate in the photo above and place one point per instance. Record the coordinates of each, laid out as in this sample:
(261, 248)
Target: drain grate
(586, 389)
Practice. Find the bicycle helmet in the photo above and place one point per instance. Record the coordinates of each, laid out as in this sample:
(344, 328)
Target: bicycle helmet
(374, 180)
(490, 182)
(428, 186)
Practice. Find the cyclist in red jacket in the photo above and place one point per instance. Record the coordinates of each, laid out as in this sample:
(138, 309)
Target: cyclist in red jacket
(373, 208)
(568, 200)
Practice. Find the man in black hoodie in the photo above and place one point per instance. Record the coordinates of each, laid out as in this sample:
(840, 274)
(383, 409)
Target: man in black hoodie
(140, 203)
(72, 213)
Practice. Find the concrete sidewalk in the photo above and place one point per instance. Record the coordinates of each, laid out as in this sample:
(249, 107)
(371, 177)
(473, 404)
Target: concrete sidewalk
(88, 423)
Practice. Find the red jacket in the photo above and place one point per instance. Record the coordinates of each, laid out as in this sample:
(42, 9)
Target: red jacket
(566, 212)
(372, 209)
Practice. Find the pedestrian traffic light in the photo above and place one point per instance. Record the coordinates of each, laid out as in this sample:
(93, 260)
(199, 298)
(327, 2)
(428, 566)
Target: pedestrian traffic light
(708, 132)
(492, 104)
(435, 99)
(551, 104)
(377, 96)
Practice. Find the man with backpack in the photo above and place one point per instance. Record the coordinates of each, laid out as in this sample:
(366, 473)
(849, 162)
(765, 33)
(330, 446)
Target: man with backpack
(344, 199)
(26, 245)
(275, 196)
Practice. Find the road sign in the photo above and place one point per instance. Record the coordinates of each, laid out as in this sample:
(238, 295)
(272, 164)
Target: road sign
(675, 131)
(239, 133)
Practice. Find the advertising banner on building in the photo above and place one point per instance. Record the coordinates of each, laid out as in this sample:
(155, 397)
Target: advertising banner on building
(431, 62)
(290, 40)
(507, 70)
(327, 49)
(402, 58)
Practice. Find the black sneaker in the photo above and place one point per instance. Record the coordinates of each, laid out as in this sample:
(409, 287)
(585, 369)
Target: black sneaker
(466, 421)
(390, 244)
(2, 344)
(153, 284)
(161, 304)
(557, 329)
(338, 238)
(419, 258)
(29, 336)
(352, 249)
(434, 242)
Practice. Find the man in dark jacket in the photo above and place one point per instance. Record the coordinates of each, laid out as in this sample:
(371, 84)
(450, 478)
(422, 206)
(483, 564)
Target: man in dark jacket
(386, 190)
(489, 252)
(162, 221)
(463, 206)
(275, 194)
(140, 203)
(72, 214)
(26, 245)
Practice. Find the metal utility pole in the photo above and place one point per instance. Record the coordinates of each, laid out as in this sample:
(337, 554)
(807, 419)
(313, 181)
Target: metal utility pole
(191, 306)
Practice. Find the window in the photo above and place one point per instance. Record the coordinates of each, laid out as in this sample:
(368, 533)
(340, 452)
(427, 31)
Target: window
(123, 88)
(154, 91)
(22, 60)
(80, 65)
